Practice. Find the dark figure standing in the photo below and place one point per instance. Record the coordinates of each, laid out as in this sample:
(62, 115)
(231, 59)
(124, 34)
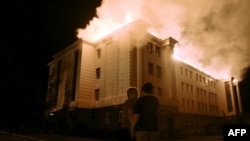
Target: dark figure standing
(127, 114)
(145, 120)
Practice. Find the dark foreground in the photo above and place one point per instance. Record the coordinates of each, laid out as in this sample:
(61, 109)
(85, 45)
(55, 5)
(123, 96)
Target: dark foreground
(5, 136)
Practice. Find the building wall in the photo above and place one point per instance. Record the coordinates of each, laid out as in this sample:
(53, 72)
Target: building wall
(197, 91)
(190, 100)
(86, 82)
(115, 70)
(62, 78)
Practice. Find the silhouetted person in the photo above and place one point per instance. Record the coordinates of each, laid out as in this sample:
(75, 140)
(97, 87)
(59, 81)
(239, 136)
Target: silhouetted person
(145, 120)
(127, 114)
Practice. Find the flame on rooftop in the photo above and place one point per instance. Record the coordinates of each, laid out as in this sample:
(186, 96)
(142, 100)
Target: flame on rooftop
(211, 36)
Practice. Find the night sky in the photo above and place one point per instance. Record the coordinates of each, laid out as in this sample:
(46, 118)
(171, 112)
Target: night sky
(32, 32)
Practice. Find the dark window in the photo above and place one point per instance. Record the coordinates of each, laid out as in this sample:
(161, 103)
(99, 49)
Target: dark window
(76, 56)
(192, 104)
(107, 118)
(181, 70)
(182, 85)
(198, 91)
(97, 94)
(98, 73)
(158, 51)
(159, 91)
(188, 103)
(158, 71)
(191, 74)
(98, 53)
(191, 88)
(150, 68)
(120, 116)
(183, 102)
(150, 47)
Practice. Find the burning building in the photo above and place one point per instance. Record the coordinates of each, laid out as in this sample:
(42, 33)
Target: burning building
(89, 80)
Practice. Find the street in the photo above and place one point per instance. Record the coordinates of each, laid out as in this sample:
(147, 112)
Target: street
(4, 136)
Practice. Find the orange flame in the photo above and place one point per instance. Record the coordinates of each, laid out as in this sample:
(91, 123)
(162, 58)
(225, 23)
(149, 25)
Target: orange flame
(184, 20)
(99, 28)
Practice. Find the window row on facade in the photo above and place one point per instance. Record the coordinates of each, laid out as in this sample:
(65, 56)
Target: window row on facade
(156, 91)
(201, 106)
(203, 93)
(152, 69)
(199, 78)
(199, 91)
(190, 120)
(154, 49)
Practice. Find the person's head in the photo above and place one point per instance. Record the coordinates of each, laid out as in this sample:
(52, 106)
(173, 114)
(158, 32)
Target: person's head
(132, 93)
(147, 88)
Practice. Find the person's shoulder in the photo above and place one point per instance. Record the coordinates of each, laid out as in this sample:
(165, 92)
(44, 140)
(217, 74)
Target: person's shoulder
(126, 101)
(153, 97)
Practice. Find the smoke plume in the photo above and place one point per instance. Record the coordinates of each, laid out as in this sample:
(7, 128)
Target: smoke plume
(213, 35)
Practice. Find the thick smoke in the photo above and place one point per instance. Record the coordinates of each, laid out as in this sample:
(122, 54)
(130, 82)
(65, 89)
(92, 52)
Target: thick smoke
(219, 33)
(213, 35)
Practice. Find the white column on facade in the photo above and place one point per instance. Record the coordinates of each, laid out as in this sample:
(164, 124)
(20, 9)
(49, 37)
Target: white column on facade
(238, 95)
(138, 55)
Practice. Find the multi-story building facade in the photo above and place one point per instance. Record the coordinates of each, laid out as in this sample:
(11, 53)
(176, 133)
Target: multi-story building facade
(90, 80)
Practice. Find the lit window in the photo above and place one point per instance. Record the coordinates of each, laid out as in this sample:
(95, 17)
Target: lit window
(98, 73)
(150, 68)
(150, 47)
